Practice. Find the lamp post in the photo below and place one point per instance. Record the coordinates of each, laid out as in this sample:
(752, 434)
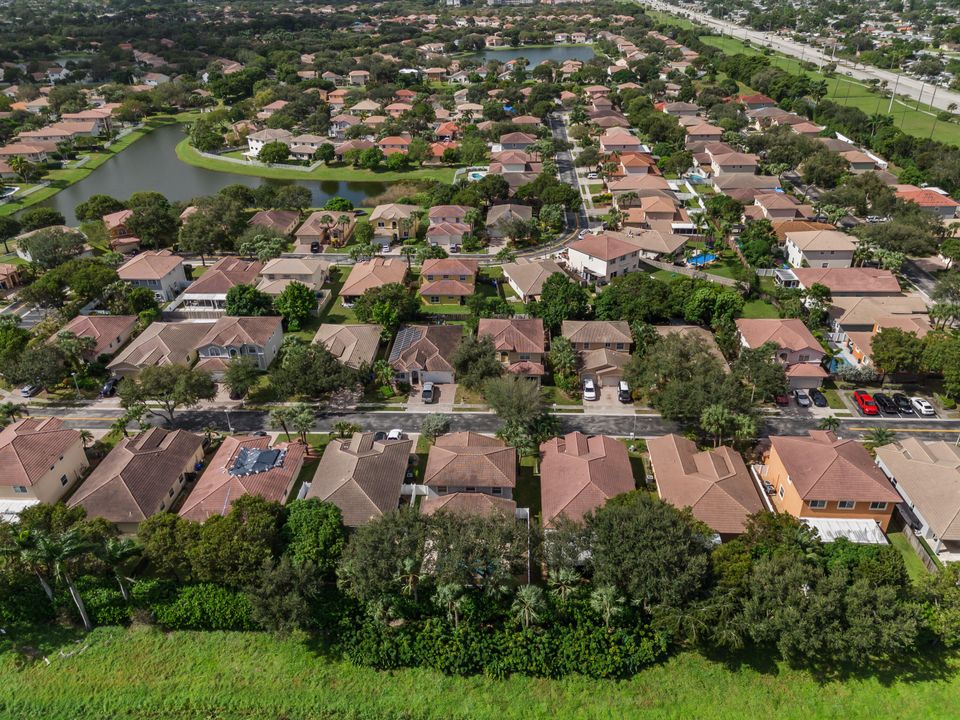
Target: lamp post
(75, 383)
(229, 425)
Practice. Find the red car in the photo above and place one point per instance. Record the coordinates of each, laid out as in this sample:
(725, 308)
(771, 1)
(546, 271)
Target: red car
(865, 402)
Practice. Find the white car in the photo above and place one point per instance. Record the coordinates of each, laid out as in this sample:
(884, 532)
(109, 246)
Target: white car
(922, 407)
(589, 390)
(395, 434)
(592, 176)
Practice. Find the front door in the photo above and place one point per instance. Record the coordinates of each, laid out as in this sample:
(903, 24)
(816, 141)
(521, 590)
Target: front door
(414, 377)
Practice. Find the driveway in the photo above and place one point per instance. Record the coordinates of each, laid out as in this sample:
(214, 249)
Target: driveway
(443, 398)
(607, 404)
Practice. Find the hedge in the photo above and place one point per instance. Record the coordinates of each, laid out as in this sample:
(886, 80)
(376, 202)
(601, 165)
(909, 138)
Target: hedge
(205, 607)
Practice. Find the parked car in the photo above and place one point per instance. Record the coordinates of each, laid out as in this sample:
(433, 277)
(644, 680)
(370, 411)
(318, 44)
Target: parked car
(110, 387)
(395, 434)
(592, 176)
(589, 390)
(803, 400)
(379, 435)
(315, 247)
(782, 400)
(865, 402)
(903, 403)
(922, 406)
(426, 394)
(886, 404)
(623, 392)
(30, 390)
(819, 399)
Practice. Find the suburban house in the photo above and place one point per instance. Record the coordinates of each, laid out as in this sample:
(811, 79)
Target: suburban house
(780, 206)
(448, 214)
(394, 144)
(109, 332)
(520, 343)
(394, 220)
(257, 338)
(735, 162)
(448, 235)
(799, 351)
(370, 274)
(256, 141)
(604, 256)
(244, 465)
(604, 348)
(447, 281)
(865, 314)
(819, 249)
(333, 228)
(715, 484)
(160, 271)
(526, 276)
(421, 353)
(926, 474)
(499, 215)
(619, 140)
(280, 221)
(352, 345)
(517, 140)
(9, 276)
(846, 282)
(579, 473)
(44, 459)
(116, 223)
(929, 199)
(206, 297)
(161, 343)
(860, 344)
(281, 271)
(704, 132)
(467, 462)
(362, 476)
(819, 476)
(142, 476)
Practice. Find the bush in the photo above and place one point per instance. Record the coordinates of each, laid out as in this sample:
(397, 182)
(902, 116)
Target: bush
(106, 606)
(22, 600)
(205, 607)
(152, 591)
(945, 401)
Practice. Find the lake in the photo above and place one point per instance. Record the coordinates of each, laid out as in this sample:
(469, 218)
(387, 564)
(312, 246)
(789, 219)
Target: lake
(151, 164)
(536, 55)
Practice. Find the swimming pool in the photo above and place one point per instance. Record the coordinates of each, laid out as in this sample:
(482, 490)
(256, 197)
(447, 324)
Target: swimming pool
(701, 259)
(475, 175)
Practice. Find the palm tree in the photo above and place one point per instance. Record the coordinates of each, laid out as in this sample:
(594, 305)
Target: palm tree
(563, 582)
(715, 420)
(528, 605)
(830, 423)
(880, 436)
(326, 222)
(86, 437)
(23, 546)
(408, 252)
(302, 420)
(280, 417)
(58, 551)
(208, 432)
(11, 410)
(450, 597)
(119, 555)
(409, 578)
(344, 428)
(383, 372)
(342, 221)
(119, 426)
(607, 603)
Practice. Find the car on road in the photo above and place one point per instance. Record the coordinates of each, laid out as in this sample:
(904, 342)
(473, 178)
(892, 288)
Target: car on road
(395, 434)
(623, 392)
(29, 390)
(589, 390)
(819, 399)
(903, 403)
(803, 400)
(426, 394)
(886, 404)
(592, 176)
(922, 406)
(865, 402)
(583, 233)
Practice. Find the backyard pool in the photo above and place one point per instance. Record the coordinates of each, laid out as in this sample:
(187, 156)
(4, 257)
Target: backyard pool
(475, 175)
(701, 259)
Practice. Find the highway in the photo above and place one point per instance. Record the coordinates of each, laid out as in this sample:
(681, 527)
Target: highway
(905, 85)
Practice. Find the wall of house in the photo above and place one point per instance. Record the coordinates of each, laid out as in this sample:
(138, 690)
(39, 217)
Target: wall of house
(440, 490)
(792, 503)
(442, 299)
(50, 487)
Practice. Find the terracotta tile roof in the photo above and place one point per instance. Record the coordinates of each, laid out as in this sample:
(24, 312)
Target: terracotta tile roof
(579, 473)
(471, 460)
(463, 503)
(500, 212)
(817, 240)
(449, 266)
(136, 476)
(116, 219)
(714, 484)
(597, 331)
(104, 329)
(161, 344)
(927, 198)
(514, 334)
(352, 345)
(823, 467)
(392, 211)
(850, 280)
(149, 265)
(441, 211)
(361, 476)
(450, 288)
(790, 334)
(373, 274)
(218, 487)
(530, 275)
(225, 274)
(283, 221)
(30, 447)
(236, 331)
(314, 224)
(425, 347)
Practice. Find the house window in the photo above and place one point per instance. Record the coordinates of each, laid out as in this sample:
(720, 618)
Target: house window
(470, 489)
(496, 491)
(163, 506)
(846, 505)
(780, 492)
(817, 504)
(213, 352)
(19, 489)
(619, 346)
(878, 506)
(171, 492)
(434, 299)
(441, 489)
(64, 480)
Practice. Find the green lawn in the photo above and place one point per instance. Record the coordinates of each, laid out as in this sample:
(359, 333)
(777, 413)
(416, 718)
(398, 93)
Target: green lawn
(527, 492)
(915, 567)
(143, 673)
(190, 156)
(759, 309)
(848, 91)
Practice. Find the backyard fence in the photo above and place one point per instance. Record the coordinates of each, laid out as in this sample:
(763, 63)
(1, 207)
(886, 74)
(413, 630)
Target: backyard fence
(690, 272)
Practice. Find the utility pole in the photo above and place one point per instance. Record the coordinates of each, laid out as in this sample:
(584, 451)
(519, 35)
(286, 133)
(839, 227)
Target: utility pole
(894, 93)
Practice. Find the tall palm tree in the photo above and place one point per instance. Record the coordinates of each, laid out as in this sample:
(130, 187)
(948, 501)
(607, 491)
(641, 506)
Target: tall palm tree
(86, 437)
(326, 222)
(409, 578)
(281, 417)
(11, 410)
(528, 605)
(606, 602)
(343, 220)
(58, 551)
(119, 554)
(23, 546)
(119, 426)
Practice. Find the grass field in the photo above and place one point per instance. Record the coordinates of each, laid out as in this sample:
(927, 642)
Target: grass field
(190, 156)
(848, 91)
(144, 674)
(915, 567)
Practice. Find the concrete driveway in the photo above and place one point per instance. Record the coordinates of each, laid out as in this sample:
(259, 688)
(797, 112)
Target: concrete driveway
(607, 404)
(443, 398)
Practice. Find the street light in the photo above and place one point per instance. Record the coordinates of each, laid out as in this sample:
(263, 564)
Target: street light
(229, 425)
(75, 383)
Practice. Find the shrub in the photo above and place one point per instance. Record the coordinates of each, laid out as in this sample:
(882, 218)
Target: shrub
(106, 606)
(944, 401)
(152, 591)
(205, 607)
(22, 600)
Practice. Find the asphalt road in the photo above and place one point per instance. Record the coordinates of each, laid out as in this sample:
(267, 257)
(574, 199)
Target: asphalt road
(565, 166)
(905, 85)
(921, 279)
(619, 425)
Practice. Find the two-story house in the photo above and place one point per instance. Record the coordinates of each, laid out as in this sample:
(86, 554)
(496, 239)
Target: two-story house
(333, 228)
(394, 220)
(517, 140)
(604, 348)
(206, 297)
(108, 332)
(520, 343)
(467, 462)
(447, 281)
(258, 338)
(798, 350)
(42, 460)
(819, 249)
(278, 273)
(160, 271)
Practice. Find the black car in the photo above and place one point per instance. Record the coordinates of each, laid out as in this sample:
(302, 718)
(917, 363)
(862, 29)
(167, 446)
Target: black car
(379, 435)
(819, 399)
(887, 406)
(315, 247)
(110, 387)
(903, 403)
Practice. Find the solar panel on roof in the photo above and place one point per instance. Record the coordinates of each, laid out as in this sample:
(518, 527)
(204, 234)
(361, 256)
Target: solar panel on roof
(251, 461)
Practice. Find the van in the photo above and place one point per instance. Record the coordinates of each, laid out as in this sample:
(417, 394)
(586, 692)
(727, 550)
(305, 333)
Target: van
(623, 392)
